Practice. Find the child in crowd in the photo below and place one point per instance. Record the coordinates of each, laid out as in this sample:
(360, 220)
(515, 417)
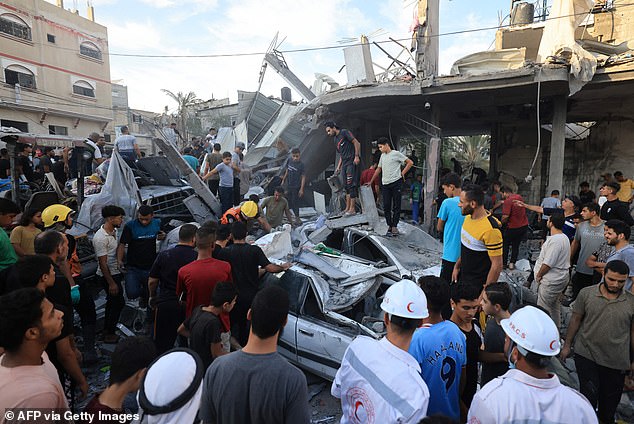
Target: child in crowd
(496, 300)
(23, 236)
(416, 197)
(207, 334)
(465, 302)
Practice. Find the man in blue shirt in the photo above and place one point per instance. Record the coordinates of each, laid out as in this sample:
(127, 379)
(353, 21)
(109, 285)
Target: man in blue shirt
(440, 349)
(191, 160)
(450, 221)
(140, 236)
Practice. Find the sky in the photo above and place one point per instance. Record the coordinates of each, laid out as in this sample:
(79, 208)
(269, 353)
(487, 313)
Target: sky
(220, 27)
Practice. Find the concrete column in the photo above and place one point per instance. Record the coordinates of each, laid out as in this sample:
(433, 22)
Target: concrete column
(431, 182)
(557, 145)
(427, 38)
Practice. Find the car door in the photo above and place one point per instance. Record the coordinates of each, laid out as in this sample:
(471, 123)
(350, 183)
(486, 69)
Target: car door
(321, 341)
(296, 285)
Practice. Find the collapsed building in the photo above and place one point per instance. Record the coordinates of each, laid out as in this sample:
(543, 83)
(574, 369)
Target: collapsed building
(555, 96)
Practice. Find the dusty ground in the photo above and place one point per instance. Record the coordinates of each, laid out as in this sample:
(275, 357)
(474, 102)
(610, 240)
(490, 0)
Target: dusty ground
(324, 408)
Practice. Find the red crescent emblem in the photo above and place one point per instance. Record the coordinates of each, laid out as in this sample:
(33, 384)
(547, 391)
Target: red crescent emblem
(552, 343)
(357, 405)
(409, 305)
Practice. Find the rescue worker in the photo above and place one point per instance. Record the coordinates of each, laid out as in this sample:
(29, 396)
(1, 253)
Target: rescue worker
(246, 212)
(379, 381)
(527, 392)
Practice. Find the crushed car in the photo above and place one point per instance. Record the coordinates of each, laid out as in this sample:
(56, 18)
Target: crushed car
(335, 292)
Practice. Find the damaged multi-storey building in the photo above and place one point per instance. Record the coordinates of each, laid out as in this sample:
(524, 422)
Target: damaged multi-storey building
(555, 96)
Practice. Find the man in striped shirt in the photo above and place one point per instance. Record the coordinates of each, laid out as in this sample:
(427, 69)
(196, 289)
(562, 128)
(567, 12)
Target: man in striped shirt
(480, 259)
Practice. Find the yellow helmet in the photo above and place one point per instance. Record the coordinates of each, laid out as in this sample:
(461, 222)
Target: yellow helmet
(54, 214)
(249, 209)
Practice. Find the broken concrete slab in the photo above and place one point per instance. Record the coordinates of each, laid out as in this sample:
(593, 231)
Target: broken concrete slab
(346, 221)
(277, 244)
(309, 258)
(368, 205)
(320, 234)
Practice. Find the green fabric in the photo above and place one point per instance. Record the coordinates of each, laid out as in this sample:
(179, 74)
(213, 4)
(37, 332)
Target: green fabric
(416, 191)
(7, 254)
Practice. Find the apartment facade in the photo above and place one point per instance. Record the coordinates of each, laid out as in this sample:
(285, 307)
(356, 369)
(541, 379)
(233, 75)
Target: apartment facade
(54, 70)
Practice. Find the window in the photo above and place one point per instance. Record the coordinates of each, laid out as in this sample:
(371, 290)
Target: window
(57, 130)
(137, 118)
(90, 50)
(83, 89)
(12, 25)
(22, 126)
(50, 38)
(15, 74)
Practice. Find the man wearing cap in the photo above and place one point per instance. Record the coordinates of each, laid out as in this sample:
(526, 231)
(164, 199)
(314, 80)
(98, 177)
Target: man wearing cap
(379, 381)
(569, 207)
(527, 392)
(613, 208)
(349, 150)
(236, 164)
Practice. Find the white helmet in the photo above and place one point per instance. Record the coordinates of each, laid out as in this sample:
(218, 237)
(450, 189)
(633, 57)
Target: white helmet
(405, 299)
(533, 330)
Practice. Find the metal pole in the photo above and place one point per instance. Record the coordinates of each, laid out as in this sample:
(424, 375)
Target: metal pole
(15, 175)
(79, 152)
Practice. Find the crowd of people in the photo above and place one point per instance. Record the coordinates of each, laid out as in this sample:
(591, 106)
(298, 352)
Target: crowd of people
(458, 347)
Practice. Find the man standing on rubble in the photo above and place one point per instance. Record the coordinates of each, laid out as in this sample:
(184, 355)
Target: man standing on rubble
(379, 381)
(236, 164)
(392, 181)
(295, 176)
(349, 150)
(127, 146)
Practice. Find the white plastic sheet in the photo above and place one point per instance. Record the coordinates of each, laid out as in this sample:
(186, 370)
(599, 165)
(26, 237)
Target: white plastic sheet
(120, 189)
(559, 37)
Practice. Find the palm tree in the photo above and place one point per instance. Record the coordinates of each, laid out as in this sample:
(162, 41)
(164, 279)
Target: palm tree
(471, 151)
(185, 104)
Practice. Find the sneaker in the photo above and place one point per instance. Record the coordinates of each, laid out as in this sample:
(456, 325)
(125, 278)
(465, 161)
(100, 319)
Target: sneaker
(395, 231)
